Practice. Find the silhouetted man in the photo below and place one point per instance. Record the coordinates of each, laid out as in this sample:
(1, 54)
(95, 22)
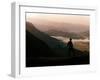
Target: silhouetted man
(70, 47)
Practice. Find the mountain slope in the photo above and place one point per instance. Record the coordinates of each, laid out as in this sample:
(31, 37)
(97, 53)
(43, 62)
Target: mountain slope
(36, 48)
(43, 50)
(58, 47)
(52, 42)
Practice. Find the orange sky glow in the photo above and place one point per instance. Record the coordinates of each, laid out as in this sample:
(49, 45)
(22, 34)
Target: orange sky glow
(57, 21)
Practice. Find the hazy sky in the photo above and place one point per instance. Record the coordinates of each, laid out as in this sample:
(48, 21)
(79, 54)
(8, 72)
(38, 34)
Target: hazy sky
(72, 23)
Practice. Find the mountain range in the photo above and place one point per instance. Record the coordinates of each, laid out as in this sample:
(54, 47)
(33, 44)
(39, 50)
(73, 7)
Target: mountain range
(79, 35)
(45, 25)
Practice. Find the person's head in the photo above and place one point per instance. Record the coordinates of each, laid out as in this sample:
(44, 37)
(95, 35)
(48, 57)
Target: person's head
(70, 39)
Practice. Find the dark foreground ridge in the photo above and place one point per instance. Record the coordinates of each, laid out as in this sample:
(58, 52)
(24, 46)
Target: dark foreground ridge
(43, 50)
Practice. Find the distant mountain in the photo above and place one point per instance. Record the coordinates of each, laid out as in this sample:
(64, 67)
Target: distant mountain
(80, 35)
(85, 34)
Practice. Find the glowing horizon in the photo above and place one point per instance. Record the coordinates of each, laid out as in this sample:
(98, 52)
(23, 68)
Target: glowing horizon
(56, 21)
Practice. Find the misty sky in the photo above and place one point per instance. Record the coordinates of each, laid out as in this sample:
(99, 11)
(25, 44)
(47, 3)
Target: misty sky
(65, 23)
